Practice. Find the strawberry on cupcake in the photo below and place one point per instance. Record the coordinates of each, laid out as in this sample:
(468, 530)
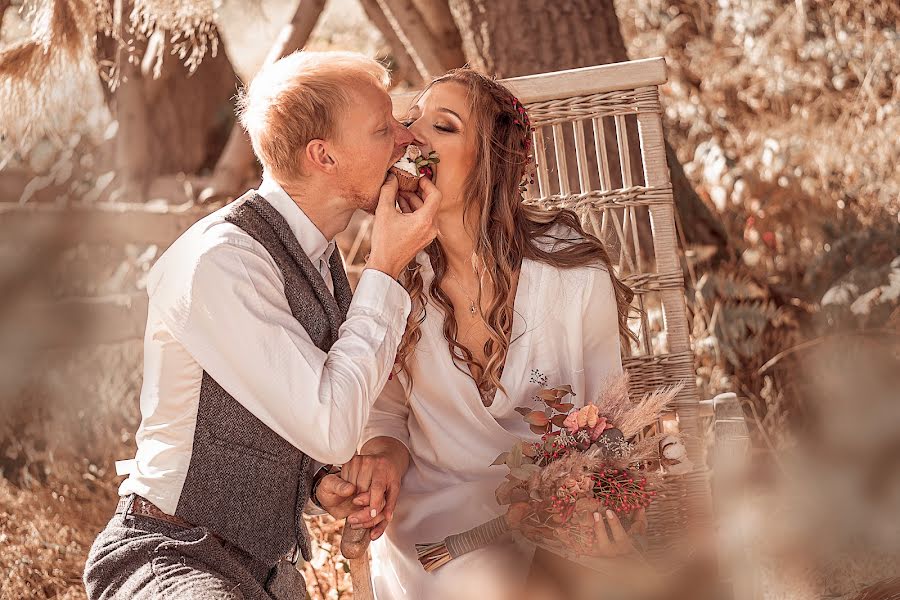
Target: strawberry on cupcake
(413, 165)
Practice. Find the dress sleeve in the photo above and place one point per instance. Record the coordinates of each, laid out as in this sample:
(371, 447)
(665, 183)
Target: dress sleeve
(390, 415)
(602, 349)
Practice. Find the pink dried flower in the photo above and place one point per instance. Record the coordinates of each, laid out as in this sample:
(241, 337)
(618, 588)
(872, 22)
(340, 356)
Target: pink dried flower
(598, 429)
(588, 416)
(571, 422)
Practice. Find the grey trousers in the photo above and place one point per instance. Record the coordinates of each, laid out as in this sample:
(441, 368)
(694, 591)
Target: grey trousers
(142, 558)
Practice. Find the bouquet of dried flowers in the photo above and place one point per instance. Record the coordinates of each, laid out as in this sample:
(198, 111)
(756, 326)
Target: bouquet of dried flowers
(588, 460)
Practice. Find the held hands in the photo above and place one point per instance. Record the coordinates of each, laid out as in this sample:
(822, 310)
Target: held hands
(336, 496)
(397, 236)
(377, 479)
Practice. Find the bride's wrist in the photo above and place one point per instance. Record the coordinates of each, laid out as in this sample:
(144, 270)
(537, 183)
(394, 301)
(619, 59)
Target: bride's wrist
(390, 449)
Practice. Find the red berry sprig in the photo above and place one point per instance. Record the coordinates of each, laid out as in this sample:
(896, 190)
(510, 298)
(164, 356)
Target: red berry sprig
(618, 490)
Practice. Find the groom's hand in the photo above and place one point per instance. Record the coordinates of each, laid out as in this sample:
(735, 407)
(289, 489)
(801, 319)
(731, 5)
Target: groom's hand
(396, 236)
(336, 496)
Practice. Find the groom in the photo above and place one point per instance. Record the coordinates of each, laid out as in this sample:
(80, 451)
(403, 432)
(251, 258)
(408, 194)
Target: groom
(258, 363)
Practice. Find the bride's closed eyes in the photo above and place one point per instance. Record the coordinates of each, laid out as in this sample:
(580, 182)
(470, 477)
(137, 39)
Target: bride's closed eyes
(439, 126)
(442, 126)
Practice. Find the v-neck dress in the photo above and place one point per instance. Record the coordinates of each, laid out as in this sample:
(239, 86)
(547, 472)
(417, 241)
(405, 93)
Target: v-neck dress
(565, 327)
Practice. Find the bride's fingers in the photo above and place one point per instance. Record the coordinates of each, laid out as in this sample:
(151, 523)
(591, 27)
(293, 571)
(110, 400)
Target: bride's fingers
(601, 538)
(378, 530)
(376, 495)
(639, 525)
(404, 204)
(362, 499)
(390, 503)
(364, 519)
(618, 532)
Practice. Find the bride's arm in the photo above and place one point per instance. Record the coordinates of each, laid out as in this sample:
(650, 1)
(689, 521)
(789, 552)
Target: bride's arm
(602, 348)
(382, 460)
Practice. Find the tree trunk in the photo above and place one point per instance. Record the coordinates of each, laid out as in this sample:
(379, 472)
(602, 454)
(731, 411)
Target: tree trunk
(509, 38)
(171, 124)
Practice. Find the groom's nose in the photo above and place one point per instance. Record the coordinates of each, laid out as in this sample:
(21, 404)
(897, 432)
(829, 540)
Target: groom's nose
(402, 136)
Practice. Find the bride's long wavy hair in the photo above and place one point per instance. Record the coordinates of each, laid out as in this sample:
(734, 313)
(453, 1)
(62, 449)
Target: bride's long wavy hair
(507, 232)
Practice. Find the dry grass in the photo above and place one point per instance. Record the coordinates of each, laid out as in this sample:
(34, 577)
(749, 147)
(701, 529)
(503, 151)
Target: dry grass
(46, 531)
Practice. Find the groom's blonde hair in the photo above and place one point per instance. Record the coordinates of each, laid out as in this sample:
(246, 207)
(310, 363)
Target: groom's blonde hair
(300, 98)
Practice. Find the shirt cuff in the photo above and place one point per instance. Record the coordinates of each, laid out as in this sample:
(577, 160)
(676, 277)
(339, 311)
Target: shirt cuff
(379, 293)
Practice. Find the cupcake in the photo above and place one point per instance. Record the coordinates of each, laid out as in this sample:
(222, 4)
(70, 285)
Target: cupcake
(412, 165)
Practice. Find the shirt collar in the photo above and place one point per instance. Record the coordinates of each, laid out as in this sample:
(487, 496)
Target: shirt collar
(311, 239)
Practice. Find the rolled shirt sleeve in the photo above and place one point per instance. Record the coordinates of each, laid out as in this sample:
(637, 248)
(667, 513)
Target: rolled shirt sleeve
(234, 319)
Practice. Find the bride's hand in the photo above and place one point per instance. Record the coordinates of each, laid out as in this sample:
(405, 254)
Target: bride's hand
(377, 479)
(617, 542)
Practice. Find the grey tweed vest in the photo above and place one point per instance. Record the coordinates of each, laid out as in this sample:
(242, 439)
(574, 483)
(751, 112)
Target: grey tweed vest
(246, 483)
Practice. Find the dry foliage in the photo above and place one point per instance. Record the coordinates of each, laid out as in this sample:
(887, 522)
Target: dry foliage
(785, 115)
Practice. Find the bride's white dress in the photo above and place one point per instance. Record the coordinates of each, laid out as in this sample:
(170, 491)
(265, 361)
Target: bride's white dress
(565, 327)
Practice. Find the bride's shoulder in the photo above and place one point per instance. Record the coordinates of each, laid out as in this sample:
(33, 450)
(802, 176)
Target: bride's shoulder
(558, 236)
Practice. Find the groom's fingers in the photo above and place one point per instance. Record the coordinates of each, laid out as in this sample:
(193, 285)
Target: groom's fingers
(333, 491)
(364, 477)
(412, 200)
(387, 198)
(350, 470)
(430, 195)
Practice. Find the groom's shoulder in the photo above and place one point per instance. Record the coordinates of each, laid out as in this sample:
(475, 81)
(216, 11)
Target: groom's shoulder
(211, 233)
(210, 240)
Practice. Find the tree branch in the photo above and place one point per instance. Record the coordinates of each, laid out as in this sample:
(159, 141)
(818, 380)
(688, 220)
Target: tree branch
(405, 66)
(237, 159)
(410, 27)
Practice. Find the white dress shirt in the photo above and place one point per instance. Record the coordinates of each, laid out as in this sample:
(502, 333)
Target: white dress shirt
(217, 304)
(565, 325)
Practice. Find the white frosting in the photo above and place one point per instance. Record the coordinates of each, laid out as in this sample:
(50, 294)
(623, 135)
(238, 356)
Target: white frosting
(408, 162)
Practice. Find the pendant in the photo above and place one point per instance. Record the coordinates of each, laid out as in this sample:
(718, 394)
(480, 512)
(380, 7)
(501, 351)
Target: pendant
(472, 308)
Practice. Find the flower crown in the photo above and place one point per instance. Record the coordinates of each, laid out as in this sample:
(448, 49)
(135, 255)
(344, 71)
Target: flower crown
(523, 121)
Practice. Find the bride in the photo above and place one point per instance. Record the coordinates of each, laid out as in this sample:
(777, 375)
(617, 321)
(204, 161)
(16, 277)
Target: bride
(507, 298)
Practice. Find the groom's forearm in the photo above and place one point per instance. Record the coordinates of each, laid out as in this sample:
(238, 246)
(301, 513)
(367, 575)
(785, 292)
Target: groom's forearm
(393, 449)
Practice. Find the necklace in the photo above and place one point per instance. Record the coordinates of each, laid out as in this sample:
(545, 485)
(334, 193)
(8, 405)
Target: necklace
(472, 303)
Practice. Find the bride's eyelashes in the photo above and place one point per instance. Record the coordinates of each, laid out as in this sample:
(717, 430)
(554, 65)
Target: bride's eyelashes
(442, 128)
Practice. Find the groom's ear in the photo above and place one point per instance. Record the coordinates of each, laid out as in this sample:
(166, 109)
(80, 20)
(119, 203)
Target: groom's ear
(318, 155)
